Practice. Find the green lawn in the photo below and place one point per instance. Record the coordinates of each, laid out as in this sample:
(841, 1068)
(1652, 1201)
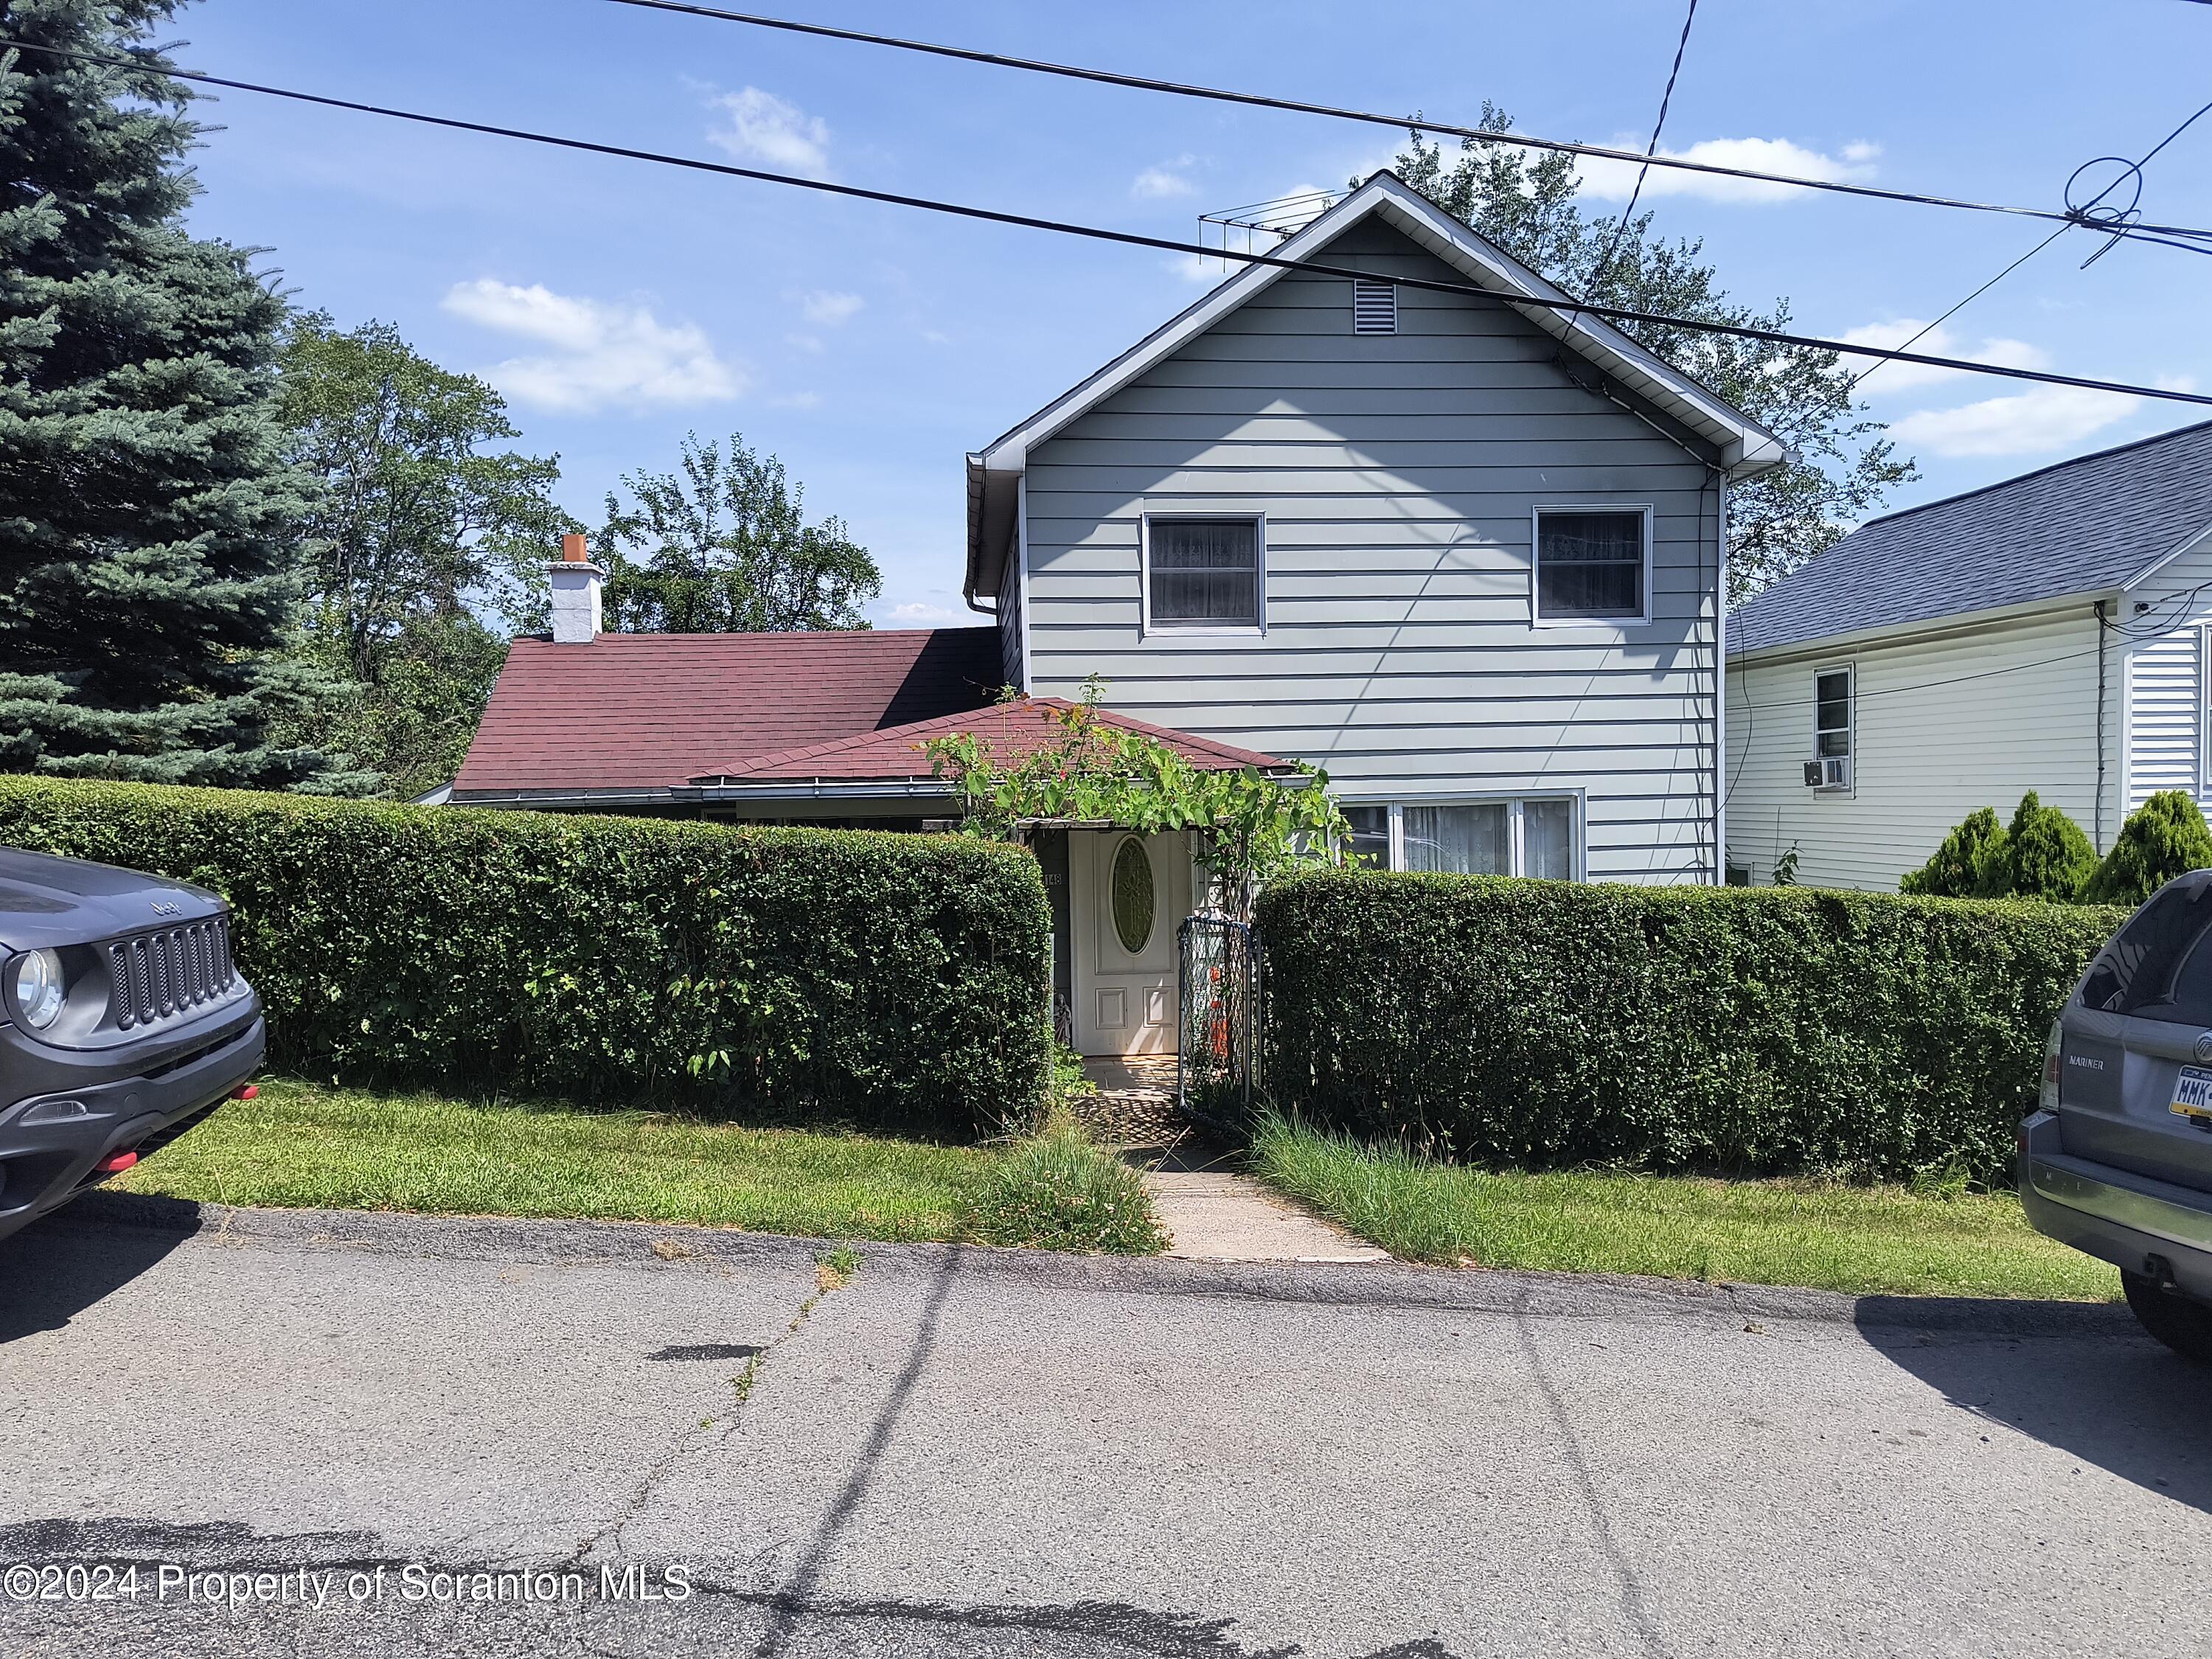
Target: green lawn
(1863, 1240)
(303, 1145)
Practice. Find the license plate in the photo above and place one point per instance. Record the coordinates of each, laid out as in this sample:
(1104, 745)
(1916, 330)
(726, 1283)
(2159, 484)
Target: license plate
(2192, 1093)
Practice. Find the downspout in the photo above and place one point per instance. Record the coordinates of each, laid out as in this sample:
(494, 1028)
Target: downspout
(1720, 675)
(2097, 816)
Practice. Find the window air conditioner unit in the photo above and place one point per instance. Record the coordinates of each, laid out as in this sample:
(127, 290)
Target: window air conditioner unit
(1833, 773)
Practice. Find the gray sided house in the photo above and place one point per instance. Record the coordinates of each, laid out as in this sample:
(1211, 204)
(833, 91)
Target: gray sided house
(1462, 549)
(2052, 633)
(1463, 552)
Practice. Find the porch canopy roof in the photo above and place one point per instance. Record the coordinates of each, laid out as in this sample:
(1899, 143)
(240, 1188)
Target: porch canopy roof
(1009, 732)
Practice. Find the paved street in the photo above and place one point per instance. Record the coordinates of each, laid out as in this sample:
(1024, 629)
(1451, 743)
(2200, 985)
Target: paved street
(987, 1453)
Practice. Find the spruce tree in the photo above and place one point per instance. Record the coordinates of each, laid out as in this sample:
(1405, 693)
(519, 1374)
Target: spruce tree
(147, 514)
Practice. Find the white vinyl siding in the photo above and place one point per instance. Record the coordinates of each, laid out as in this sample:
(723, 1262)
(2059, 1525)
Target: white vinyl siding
(1399, 477)
(2167, 678)
(1941, 723)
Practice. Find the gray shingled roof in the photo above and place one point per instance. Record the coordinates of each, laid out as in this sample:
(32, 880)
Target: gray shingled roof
(2083, 526)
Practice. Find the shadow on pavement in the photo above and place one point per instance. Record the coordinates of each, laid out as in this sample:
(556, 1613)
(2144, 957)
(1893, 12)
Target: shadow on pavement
(2078, 1378)
(57, 1268)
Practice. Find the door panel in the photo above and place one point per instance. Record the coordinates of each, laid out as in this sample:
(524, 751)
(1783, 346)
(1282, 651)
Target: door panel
(1130, 892)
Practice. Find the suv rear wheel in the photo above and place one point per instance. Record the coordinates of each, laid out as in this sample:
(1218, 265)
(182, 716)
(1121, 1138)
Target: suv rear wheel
(2184, 1326)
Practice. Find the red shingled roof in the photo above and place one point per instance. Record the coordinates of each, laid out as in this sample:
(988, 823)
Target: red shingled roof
(1009, 730)
(654, 710)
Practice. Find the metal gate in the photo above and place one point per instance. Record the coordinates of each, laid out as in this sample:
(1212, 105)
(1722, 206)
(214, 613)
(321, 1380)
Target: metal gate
(1218, 990)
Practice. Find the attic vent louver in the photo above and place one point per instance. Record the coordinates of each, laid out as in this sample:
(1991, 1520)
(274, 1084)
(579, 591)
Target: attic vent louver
(1374, 306)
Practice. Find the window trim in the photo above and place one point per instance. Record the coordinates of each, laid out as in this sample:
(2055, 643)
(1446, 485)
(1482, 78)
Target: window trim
(1536, 616)
(1394, 806)
(1146, 627)
(1849, 670)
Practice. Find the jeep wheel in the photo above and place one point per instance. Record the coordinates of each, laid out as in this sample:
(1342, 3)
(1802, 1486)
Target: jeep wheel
(2184, 1326)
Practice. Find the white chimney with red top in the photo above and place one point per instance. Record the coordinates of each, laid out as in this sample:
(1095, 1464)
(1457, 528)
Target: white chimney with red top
(576, 583)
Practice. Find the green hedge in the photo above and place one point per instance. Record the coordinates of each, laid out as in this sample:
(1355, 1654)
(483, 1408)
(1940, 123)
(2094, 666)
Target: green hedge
(1761, 1031)
(889, 979)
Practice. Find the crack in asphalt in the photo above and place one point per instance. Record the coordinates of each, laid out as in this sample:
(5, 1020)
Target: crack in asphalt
(717, 1428)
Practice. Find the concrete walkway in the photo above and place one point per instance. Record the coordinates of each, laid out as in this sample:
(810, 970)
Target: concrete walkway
(1213, 1211)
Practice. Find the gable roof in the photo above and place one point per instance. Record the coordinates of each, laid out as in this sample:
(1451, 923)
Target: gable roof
(651, 711)
(2084, 526)
(1745, 447)
(1009, 732)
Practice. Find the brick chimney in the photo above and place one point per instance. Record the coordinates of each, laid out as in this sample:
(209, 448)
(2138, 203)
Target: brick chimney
(576, 583)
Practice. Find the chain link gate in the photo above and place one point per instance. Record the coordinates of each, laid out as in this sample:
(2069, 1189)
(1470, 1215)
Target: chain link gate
(1218, 991)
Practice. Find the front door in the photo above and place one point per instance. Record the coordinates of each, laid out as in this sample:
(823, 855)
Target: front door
(1130, 892)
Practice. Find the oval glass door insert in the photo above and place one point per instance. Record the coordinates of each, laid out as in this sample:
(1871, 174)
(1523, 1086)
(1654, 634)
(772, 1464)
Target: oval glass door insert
(1133, 899)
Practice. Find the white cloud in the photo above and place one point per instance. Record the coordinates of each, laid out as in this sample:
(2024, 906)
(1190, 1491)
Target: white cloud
(831, 308)
(914, 614)
(1609, 180)
(798, 400)
(1161, 182)
(1891, 378)
(762, 127)
(597, 354)
(2031, 422)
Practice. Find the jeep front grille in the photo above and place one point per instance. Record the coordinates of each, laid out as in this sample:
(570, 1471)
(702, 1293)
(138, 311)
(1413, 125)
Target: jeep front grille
(173, 971)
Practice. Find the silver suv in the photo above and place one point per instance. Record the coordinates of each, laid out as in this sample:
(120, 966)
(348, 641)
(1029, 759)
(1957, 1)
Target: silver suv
(2117, 1161)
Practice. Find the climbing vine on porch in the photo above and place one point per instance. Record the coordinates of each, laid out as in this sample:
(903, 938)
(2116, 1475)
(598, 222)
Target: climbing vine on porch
(1250, 828)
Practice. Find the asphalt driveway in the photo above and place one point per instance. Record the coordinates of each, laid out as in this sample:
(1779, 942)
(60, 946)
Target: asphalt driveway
(359, 1424)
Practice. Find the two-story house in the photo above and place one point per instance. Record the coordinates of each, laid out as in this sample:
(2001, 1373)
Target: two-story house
(1409, 518)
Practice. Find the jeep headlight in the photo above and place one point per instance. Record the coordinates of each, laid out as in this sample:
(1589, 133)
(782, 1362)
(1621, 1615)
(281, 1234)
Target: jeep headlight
(40, 991)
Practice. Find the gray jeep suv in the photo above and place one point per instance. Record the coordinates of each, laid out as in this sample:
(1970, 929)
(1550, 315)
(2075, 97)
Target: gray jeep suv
(2117, 1161)
(123, 1023)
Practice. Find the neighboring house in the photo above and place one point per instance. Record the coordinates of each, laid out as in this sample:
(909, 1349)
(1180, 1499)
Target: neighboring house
(2048, 632)
(1463, 551)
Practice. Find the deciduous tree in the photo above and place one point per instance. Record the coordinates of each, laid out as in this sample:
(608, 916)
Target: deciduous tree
(722, 546)
(422, 526)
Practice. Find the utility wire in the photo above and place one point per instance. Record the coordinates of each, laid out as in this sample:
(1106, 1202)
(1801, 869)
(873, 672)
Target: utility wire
(2134, 170)
(1620, 227)
(1402, 122)
(1125, 238)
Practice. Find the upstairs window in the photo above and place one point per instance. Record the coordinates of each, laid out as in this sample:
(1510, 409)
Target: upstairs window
(1831, 714)
(1202, 573)
(1374, 306)
(1831, 767)
(1592, 564)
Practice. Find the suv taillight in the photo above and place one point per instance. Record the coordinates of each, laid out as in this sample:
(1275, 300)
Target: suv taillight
(2048, 1099)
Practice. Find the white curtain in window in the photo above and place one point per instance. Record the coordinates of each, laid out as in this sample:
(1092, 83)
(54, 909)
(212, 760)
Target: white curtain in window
(1547, 839)
(1469, 840)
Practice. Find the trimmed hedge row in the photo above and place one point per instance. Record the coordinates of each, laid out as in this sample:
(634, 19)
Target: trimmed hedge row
(1775, 1030)
(889, 979)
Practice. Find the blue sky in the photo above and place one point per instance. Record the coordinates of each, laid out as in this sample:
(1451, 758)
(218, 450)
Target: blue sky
(621, 305)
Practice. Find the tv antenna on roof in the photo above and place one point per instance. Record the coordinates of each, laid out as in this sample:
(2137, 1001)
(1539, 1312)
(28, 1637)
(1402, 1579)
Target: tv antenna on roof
(1257, 226)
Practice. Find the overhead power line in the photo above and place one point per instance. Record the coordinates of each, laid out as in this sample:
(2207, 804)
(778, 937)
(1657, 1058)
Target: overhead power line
(2132, 170)
(1402, 122)
(1100, 234)
(1666, 100)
